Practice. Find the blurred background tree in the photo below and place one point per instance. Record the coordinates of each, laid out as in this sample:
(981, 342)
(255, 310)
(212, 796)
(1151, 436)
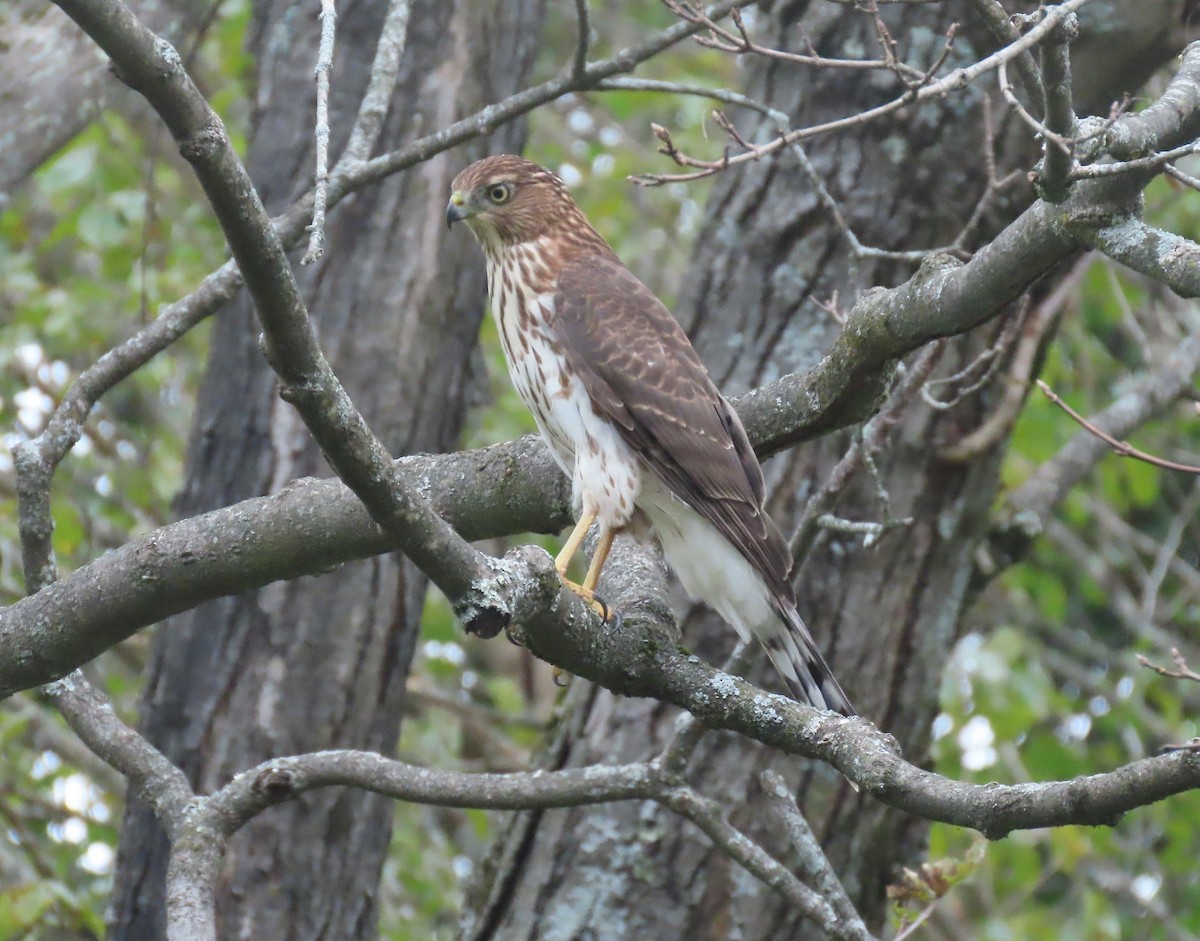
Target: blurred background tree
(1041, 682)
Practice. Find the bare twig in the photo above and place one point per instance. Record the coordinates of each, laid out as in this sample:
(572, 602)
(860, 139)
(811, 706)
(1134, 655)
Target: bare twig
(1029, 506)
(874, 438)
(1181, 672)
(316, 240)
(1185, 178)
(1168, 549)
(1034, 329)
(957, 79)
(1039, 127)
(153, 778)
(826, 198)
(373, 108)
(986, 364)
(583, 27)
(1096, 170)
(812, 858)
(1060, 112)
(931, 70)
(1122, 448)
(741, 43)
(626, 83)
(707, 815)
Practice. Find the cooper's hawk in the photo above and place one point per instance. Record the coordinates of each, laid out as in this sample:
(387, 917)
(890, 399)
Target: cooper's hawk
(630, 413)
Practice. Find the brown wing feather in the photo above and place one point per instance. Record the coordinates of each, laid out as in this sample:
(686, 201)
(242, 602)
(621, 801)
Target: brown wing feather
(642, 372)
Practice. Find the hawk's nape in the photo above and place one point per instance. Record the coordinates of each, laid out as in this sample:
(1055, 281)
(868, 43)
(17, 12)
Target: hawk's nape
(630, 413)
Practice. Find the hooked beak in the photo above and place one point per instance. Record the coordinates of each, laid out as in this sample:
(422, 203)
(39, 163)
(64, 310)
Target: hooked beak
(457, 209)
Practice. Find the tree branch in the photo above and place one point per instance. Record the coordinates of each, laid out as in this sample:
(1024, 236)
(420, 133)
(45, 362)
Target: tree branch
(151, 776)
(1166, 257)
(1121, 448)
(812, 858)
(1027, 509)
(316, 235)
(643, 660)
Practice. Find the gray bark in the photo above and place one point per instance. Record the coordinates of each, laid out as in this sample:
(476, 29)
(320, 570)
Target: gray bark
(54, 80)
(321, 662)
(886, 616)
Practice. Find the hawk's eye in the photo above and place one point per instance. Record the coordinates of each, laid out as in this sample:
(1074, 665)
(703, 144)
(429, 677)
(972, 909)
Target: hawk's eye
(500, 193)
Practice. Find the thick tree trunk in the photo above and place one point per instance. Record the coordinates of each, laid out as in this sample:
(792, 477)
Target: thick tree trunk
(767, 258)
(321, 662)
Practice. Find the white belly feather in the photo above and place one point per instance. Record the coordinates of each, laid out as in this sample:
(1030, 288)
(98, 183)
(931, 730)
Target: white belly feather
(708, 565)
(605, 473)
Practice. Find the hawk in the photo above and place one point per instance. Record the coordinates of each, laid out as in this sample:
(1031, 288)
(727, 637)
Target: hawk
(630, 413)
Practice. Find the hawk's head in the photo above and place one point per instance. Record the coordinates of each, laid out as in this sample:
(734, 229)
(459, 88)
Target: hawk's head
(506, 200)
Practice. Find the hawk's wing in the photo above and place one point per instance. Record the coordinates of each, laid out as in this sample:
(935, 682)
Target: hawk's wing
(641, 371)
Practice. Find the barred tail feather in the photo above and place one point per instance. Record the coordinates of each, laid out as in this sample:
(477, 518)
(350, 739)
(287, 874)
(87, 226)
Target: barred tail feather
(795, 655)
(714, 570)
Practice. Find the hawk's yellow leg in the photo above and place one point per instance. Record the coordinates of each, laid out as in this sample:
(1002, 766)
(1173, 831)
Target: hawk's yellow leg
(571, 546)
(586, 591)
(603, 545)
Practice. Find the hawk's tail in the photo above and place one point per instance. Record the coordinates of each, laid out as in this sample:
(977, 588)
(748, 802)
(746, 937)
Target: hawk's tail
(796, 657)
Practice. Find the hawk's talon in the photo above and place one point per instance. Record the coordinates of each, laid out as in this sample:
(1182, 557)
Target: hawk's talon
(557, 675)
(612, 617)
(512, 640)
(602, 608)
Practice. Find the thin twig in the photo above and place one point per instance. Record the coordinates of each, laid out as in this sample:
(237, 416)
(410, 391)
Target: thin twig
(707, 815)
(986, 364)
(1038, 126)
(812, 857)
(912, 926)
(628, 83)
(583, 39)
(1095, 170)
(826, 199)
(1061, 123)
(1185, 178)
(955, 80)
(725, 41)
(1167, 550)
(1034, 329)
(316, 237)
(374, 105)
(1182, 671)
(1122, 448)
(875, 437)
